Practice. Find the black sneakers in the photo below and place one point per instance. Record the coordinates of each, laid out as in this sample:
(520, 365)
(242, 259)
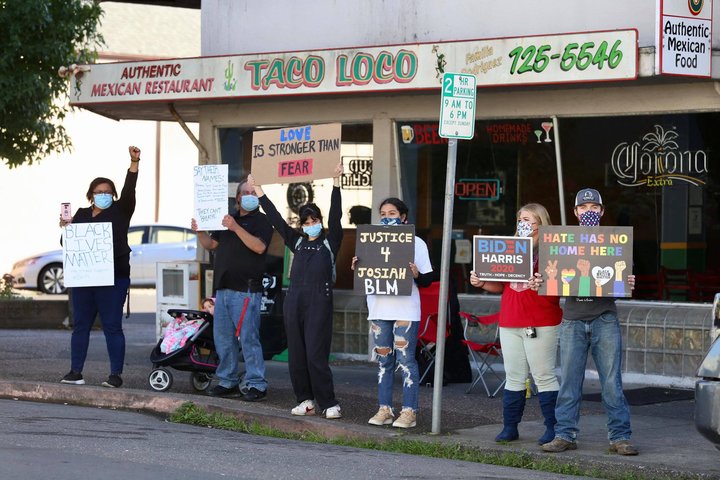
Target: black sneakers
(113, 381)
(220, 391)
(254, 395)
(76, 378)
(73, 378)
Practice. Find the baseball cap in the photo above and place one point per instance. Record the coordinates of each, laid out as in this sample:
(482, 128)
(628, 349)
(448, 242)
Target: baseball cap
(588, 195)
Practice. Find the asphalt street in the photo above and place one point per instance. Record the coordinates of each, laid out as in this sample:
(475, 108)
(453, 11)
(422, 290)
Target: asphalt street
(65, 442)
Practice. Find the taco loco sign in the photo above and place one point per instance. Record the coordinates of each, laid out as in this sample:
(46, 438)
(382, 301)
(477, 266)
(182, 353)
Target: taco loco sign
(564, 58)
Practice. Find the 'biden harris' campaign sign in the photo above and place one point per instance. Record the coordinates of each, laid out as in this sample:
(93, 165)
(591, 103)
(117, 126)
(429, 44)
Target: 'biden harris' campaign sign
(502, 259)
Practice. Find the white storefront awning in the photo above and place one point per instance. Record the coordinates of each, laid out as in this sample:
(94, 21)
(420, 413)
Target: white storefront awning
(154, 90)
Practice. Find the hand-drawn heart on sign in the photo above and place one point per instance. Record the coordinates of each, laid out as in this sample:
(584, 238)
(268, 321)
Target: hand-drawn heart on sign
(602, 275)
(567, 275)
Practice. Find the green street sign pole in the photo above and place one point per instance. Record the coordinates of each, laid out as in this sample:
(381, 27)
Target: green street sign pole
(457, 120)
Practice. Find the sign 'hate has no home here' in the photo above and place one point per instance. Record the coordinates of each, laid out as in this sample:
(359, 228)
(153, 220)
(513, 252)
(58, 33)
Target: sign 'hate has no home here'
(585, 261)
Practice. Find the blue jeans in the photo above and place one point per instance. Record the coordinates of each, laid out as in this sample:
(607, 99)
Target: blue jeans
(603, 339)
(108, 301)
(228, 308)
(400, 340)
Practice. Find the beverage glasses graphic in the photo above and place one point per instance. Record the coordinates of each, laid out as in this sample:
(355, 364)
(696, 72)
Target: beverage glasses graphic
(547, 126)
(538, 134)
(407, 133)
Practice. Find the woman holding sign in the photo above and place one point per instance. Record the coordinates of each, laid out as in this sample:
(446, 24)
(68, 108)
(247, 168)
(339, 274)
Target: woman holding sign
(87, 302)
(395, 323)
(528, 335)
(308, 305)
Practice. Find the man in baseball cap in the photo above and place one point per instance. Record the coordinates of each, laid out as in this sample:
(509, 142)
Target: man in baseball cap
(590, 326)
(589, 207)
(588, 195)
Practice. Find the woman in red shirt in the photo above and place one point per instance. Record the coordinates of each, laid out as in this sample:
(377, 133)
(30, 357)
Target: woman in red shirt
(528, 334)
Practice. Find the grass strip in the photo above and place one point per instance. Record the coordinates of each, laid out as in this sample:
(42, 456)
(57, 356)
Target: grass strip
(191, 414)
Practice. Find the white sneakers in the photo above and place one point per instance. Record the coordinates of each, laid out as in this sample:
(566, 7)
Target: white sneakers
(333, 412)
(384, 416)
(307, 407)
(406, 419)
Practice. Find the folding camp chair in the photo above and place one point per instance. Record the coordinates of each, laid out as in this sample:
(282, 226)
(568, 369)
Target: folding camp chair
(482, 338)
(427, 332)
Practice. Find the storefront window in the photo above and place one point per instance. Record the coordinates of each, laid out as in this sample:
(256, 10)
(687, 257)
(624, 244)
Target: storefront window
(507, 164)
(656, 174)
(357, 157)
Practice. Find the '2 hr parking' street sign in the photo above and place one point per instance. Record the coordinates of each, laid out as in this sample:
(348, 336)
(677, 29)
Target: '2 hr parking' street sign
(457, 113)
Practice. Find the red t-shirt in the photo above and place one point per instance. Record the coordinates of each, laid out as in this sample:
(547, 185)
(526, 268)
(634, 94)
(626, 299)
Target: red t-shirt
(521, 307)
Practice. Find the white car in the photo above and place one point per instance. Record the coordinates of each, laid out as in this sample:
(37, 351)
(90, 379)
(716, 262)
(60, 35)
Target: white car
(149, 243)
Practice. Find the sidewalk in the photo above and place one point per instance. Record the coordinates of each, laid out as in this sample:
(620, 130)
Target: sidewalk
(33, 361)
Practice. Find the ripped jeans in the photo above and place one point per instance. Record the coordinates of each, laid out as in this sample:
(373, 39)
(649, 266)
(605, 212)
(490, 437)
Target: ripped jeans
(395, 343)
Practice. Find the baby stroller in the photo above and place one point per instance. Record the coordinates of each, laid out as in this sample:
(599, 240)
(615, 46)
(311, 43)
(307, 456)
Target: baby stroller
(197, 355)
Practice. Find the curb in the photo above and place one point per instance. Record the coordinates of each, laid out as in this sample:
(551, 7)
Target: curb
(165, 404)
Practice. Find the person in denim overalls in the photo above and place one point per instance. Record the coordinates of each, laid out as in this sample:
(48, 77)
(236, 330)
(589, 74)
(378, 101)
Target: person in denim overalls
(308, 305)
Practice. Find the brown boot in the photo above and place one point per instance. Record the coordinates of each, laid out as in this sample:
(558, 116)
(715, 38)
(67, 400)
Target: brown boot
(559, 445)
(623, 447)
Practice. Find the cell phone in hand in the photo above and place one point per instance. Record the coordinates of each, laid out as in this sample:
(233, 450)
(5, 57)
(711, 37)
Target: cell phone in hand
(65, 211)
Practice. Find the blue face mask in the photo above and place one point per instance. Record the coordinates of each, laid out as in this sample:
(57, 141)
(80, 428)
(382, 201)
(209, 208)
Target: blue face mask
(390, 221)
(313, 231)
(524, 229)
(102, 200)
(249, 202)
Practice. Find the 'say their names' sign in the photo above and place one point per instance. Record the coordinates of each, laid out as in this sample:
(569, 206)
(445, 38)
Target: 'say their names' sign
(585, 261)
(88, 259)
(384, 253)
(296, 154)
(502, 259)
(211, 195)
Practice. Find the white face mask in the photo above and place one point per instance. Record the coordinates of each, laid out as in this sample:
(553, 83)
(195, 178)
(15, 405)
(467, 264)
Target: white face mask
(524, 229)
